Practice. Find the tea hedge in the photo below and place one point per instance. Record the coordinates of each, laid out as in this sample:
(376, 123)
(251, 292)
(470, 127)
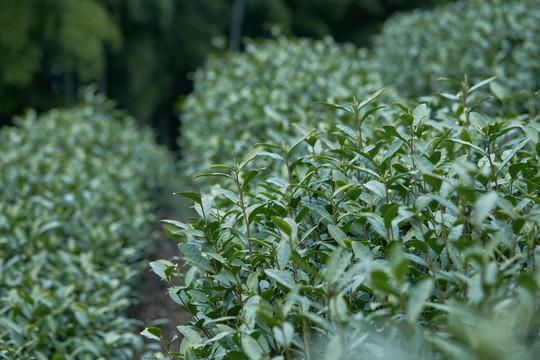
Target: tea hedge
(481, 38)
(412, 237)
(262, 94)
(243, 98)
(79, 187)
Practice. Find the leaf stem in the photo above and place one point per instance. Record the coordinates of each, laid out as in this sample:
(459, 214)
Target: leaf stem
(241, 196)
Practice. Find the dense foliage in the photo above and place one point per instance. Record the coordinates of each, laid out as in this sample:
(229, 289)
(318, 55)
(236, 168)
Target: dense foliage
(256, 96)
(79, 187)
(242, 99)
(481, 38)
(141, 51)
(412, 235)
(407, 231)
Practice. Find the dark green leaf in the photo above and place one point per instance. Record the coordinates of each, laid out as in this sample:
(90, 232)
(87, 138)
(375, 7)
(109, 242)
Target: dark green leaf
(152, 333)
(249, 176)
(192, 255)
(389, 212)
(391, 131)
(334, 106)
(371, 111)
(190, 195)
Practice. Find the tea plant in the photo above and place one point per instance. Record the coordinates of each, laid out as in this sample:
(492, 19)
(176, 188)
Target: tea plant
(256, 96)
(481, 38)
(263, 94)
(413, 237)
(79, 187)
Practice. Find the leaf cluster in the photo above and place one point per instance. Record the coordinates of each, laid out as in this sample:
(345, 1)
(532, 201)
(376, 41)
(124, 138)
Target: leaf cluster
(481, 39)
(262, 94)
(412, 236)
(78, 193)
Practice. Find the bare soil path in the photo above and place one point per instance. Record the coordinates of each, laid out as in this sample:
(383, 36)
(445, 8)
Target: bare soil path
(155, 307)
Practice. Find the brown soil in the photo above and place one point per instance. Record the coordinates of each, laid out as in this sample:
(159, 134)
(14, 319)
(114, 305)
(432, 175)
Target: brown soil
(155, 307)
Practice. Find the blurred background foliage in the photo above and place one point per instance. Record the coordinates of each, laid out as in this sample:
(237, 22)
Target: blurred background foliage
(141, 52)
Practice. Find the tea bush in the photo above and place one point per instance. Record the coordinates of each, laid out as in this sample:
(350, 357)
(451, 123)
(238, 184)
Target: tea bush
(244, 98)
(482, 38)
(79, 186)
(411, 237)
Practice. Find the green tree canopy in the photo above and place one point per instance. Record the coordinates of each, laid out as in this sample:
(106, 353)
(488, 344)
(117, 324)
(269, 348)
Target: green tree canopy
(137, 49)
(346, 20)
(41, 39)
(141, 52)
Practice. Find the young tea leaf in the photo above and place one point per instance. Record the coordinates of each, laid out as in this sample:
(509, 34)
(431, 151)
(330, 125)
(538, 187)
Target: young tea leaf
(248, 157)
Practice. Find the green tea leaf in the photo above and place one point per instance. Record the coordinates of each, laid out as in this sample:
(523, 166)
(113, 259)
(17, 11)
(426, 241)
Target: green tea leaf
(482, 83)
(152, 333)
(337, 234)
(283, 255)
(159, 269)
(249, 176)
(227, 193)
(248, 157)
(371, 111)
(251, 348)
(376, 187)
(511, 154)
(468, 144)
(420, 113)
(190, 195)
(418, 298)
(478, 121)
(370, 98)
(389, 212)
(483, 206)
(391, 131)
(282, 277)
(190, 335)
(193, 255)
(321, 211)
(334, 106)
(282, 225)
(284, 334)
(361, 251)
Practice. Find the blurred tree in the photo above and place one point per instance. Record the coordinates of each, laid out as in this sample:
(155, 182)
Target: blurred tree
(163, 41)
(45, 45)
(346, 20)
(141, 52)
